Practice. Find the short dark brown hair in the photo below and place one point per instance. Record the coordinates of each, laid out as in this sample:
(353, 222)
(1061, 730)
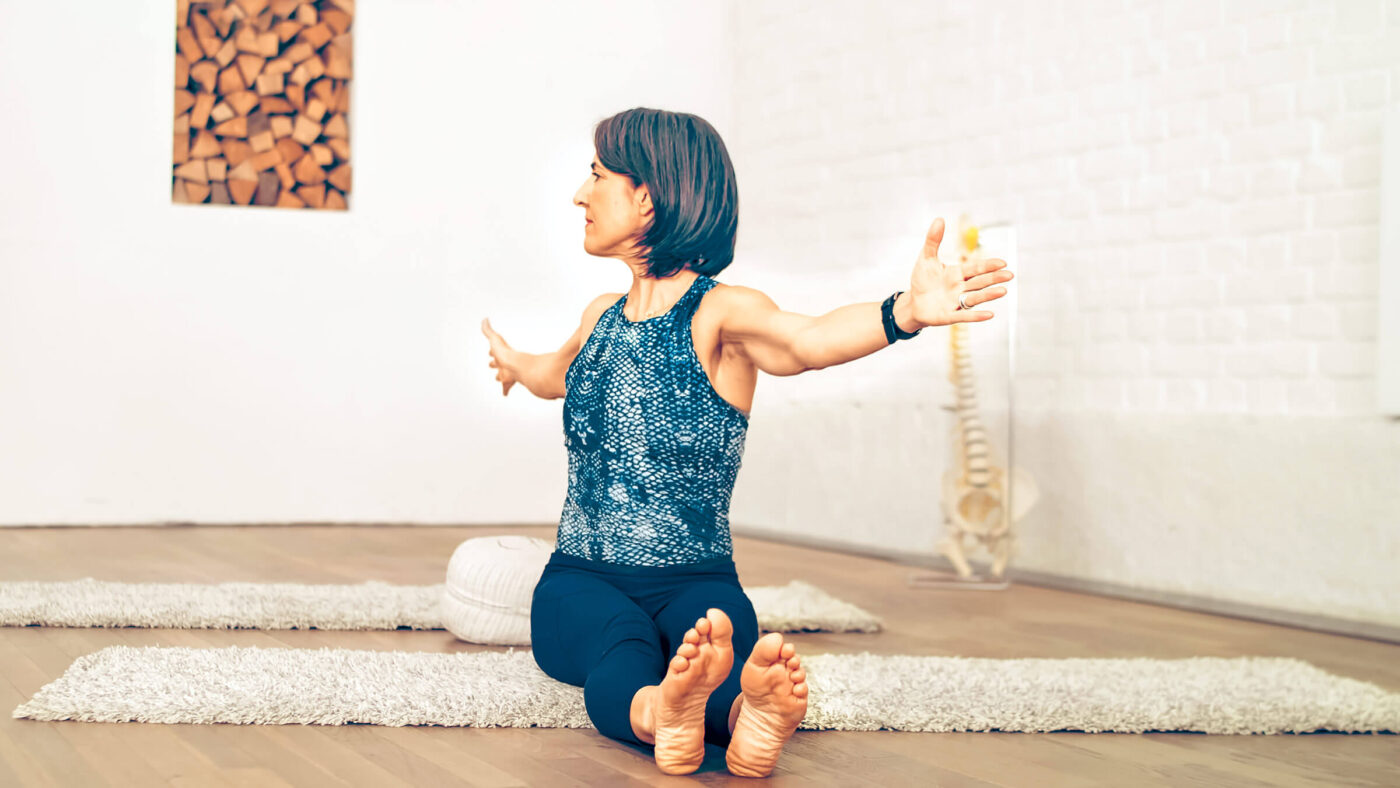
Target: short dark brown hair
(686, 168)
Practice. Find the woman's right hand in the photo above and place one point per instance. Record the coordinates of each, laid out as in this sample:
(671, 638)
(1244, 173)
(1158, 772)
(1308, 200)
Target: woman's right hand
(501, 354)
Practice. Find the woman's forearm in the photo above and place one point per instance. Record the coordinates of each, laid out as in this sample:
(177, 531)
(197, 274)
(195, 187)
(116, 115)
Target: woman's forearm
(850, 332)
(538, 372)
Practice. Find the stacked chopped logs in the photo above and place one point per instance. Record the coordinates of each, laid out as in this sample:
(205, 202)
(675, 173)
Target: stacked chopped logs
(262, 92)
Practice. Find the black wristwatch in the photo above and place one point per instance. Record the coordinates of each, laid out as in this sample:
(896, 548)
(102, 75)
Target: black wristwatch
(892, 329)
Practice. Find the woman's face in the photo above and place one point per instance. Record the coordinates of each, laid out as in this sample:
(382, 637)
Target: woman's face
(615, 213)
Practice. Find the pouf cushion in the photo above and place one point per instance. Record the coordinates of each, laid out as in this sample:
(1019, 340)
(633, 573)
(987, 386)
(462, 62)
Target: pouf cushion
(490, 580)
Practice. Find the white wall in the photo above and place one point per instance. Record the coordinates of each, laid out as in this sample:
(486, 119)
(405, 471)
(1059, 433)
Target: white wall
(196, 363)
(1195, 190)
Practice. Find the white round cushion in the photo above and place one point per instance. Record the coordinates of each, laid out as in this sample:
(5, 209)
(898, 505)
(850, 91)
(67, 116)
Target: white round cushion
(490, 581)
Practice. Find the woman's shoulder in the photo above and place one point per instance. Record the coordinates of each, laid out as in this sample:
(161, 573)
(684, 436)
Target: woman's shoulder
(725, 306)
(727, 297)
(597, 307)
(602, 302)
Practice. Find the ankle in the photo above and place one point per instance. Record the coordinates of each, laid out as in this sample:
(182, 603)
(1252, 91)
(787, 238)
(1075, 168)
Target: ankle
(643, 714)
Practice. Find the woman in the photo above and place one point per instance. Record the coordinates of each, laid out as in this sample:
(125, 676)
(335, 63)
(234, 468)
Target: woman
(657, 385)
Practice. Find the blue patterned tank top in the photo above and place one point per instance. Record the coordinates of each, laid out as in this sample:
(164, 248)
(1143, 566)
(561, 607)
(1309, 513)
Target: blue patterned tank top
(653, 448)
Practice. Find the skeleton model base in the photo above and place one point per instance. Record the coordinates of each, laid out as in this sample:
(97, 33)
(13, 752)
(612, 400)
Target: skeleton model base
(950, 580)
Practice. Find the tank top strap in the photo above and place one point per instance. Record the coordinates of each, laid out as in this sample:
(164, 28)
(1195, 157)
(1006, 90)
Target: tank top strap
(685, 308)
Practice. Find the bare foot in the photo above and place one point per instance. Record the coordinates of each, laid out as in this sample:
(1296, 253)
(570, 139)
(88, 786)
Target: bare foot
(774, 703)
(701, 663)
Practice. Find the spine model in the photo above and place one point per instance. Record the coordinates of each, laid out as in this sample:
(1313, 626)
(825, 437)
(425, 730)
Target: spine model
(973, 489)
(976, 490)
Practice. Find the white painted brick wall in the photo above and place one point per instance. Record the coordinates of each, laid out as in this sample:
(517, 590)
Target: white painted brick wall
(1206, 173)
(1194, 185)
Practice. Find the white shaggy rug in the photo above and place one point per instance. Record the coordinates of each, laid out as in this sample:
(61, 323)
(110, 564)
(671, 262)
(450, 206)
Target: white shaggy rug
(848, 692)
(795, 607)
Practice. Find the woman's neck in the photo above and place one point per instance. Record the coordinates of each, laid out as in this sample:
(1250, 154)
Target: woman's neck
(650, 297)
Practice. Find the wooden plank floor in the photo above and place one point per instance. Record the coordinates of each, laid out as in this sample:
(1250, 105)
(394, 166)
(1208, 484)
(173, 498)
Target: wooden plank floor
(1022, 622)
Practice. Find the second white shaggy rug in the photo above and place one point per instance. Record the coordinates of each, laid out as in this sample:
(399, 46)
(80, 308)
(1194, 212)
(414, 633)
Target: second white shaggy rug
(848, 692)
(795, 607)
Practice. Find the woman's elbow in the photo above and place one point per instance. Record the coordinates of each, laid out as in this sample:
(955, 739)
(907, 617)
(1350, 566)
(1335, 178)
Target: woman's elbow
(791, 364)
(802, 358)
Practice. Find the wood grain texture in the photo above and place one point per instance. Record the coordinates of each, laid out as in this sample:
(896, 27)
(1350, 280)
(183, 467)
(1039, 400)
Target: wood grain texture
(1022, 622)
(236, 72)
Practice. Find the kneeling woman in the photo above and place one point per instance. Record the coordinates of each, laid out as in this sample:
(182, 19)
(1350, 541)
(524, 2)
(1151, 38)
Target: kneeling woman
(640, 603)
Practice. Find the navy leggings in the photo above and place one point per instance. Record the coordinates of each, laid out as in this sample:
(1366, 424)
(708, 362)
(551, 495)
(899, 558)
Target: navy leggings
(612, 629)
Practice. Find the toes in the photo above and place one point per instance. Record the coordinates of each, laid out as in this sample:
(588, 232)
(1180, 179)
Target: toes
(721, 628)
(795, 662)
(679, 663)
(766, 650)
(800, 690)
(788, 651)
(797, 676)
(702, 626)
(691, 636)
(688, 650)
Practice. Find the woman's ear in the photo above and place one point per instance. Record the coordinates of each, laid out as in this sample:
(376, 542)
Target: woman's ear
(644, 205)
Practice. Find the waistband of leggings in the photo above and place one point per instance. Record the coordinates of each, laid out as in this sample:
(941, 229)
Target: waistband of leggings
(719, 565)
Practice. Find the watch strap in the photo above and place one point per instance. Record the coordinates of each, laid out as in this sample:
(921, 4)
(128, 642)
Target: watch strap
(892, 329)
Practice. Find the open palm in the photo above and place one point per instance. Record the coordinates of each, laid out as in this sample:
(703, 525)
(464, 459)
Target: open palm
(934, 288)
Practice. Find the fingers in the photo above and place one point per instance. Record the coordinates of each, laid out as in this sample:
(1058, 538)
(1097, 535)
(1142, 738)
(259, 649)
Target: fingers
(988, 279)
(490, 332)
(493, 363)
(975, 297)
(968, 316)
(991, 267)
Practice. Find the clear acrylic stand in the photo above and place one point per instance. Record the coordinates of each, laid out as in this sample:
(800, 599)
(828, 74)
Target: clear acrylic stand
(982, 367)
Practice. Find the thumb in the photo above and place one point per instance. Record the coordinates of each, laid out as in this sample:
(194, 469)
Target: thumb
(934, 238)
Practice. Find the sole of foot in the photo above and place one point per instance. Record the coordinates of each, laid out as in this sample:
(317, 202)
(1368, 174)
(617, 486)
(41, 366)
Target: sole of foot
(774, 703)
(701, 664)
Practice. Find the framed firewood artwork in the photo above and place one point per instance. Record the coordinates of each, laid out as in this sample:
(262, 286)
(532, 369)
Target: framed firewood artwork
(262, 103)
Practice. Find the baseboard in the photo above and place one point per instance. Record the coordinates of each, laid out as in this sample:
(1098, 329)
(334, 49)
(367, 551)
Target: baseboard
(1309, 621)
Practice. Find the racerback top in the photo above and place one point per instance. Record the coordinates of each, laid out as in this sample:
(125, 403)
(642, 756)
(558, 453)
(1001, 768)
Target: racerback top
(653, 448)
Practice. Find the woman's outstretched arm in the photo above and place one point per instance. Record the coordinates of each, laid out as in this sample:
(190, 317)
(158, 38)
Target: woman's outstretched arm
(542, 373)
(787, 343)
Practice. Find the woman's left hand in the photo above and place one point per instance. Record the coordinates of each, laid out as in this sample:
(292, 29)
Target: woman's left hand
(934, 288)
